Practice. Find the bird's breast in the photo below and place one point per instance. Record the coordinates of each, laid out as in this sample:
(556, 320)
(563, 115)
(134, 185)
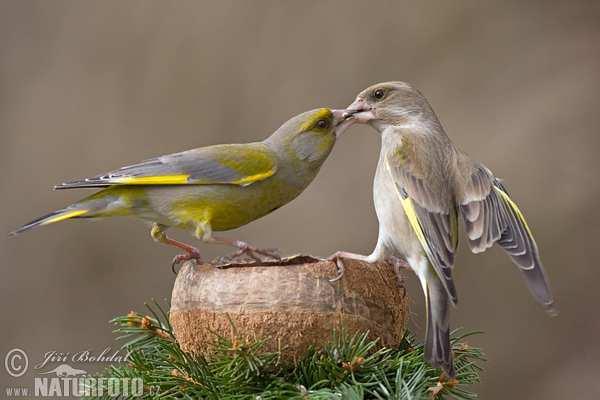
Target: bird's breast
(224, 207)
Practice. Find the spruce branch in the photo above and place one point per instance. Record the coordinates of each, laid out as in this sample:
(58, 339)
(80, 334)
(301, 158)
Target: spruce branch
(349, 367)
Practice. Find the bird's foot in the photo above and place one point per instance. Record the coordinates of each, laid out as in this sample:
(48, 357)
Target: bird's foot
(248, 254)
(339, 265)
(398, 263)
(192, 254)
(259, 254)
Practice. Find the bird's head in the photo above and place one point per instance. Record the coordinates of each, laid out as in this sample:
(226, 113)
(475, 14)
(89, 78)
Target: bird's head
(310, 136)
(388, 103)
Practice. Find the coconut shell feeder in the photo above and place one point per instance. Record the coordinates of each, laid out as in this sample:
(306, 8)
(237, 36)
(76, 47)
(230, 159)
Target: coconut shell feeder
(290, 304)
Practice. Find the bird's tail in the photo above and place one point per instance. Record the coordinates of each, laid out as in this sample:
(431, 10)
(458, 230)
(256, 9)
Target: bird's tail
(113, 201)
(55, 216)
(438, 351)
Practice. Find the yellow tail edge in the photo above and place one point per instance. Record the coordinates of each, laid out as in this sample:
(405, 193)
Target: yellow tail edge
(47, 219)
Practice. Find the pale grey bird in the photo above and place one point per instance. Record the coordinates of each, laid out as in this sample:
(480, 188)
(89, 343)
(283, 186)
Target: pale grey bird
(422, 183)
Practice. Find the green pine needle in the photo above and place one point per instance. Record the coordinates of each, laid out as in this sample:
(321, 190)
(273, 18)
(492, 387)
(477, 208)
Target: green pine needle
(350, 367)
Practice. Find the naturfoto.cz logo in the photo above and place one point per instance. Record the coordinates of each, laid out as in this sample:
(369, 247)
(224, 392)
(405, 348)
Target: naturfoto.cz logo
(66, 381)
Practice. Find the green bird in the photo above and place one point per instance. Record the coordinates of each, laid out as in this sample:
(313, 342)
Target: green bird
(213, 188)
(422, 185)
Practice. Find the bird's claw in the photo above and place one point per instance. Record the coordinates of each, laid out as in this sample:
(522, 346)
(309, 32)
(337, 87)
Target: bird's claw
(398, 262)
(256, 253)
(249, 254)
(339, 267)
(180, 258)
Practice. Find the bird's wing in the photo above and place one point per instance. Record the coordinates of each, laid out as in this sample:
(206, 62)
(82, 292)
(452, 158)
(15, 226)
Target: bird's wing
(431, 214)
(491, 216)
(233, 164)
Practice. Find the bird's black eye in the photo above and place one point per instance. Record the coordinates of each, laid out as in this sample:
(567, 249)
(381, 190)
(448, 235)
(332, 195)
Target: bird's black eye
(378, 94)
(322, 124)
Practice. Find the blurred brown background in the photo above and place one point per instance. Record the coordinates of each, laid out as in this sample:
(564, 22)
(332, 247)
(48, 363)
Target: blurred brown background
(86, 87)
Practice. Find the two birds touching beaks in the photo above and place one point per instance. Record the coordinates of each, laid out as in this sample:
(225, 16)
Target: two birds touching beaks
(423, 186)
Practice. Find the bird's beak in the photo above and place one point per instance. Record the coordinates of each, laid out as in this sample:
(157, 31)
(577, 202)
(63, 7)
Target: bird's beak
(342, 121)
(360, 111)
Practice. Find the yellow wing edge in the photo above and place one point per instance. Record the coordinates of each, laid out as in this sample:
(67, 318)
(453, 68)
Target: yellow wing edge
(506, 198)
(152, 180)
(185, 179)
(247, 180)
(413, 218)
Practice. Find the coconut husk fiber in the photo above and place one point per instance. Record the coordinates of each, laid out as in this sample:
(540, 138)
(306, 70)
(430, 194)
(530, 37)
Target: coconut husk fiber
(290, 304)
